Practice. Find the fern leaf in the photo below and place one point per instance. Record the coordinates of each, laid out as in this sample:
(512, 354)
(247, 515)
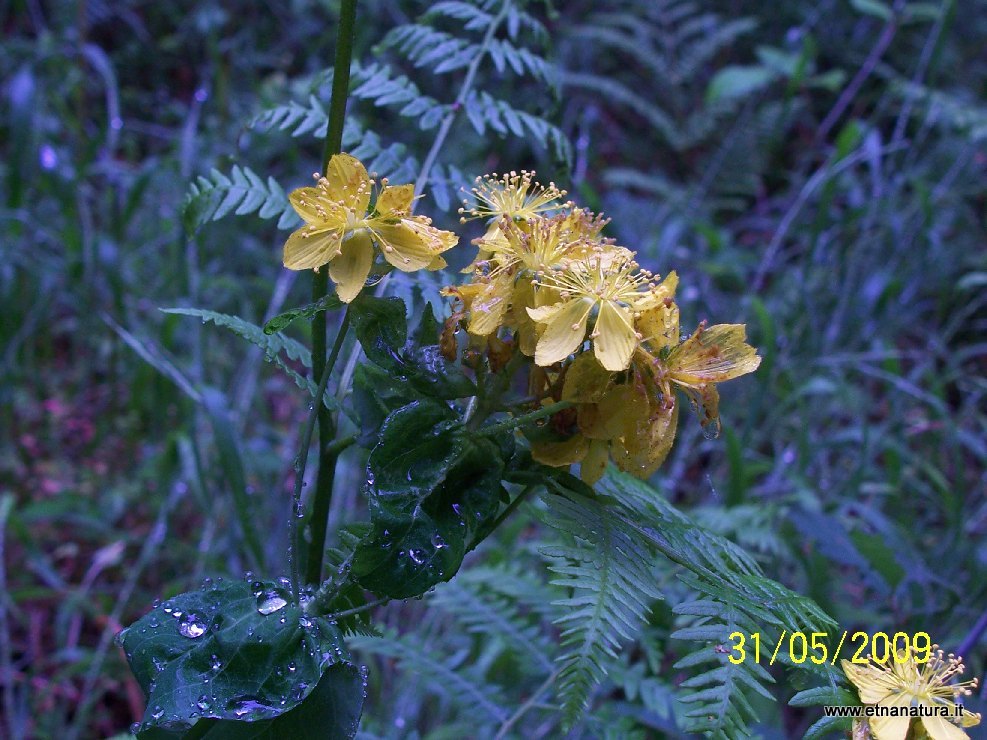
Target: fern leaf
(278, 348)
(242, 192)
(442, 675)
(606, 569)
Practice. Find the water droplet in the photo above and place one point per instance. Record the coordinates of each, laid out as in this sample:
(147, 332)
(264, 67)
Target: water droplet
(417, 555)
(216, 664)
(437, 542)
(207, 584)
(292, 667)
(190, 626)
(119, 637)
(153, 621)
(156, 603)
(204, 703)
(456, 508)
(248, 576)
(257, 587)
(304, 622)
(159, 665)
(249, 707)
(270, 601)
(135, 728)
(157, 712)
(167, 608)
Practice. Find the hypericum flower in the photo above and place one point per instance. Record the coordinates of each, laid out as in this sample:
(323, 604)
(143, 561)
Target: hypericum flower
(339, 231)
(515, 195)
(615, 418)
(912, 684)
(609, 284)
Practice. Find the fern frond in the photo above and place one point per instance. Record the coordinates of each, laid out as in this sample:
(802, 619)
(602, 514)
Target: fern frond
(212, 197)
(294, 117)
(381, 87)
(425, 46)
(607, 570)
(483, 111)
(444, 676)
(278, 348)
(481, 610)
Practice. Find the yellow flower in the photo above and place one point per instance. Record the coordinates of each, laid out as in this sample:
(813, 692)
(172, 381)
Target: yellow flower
(911, 684)
(607, 284)
(626, 421)
(339, 231)
(711, 355)
(514, 195)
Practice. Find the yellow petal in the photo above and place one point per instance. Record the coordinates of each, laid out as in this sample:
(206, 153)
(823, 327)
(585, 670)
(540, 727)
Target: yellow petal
(712, 355)
(564, 332)
(585, 380)
(350, 269)
(488, 308)
(437, 263)
(642, 454)
(395, 200)
(615, 338)
(410, 244)
(594, 465)
(659, 326)
(939, 728)
(348, 183)
(544, 314)
(560, 454)
(315, 208)
(867, 680)
(892, 728)
(307, 249)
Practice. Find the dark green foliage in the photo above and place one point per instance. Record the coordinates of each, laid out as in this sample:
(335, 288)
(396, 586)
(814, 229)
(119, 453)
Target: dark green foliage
(852, 463)
(241, 652)
(433, 489)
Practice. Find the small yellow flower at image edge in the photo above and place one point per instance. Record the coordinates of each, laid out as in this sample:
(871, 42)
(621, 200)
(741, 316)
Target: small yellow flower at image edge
(912, 684)
(343, 231)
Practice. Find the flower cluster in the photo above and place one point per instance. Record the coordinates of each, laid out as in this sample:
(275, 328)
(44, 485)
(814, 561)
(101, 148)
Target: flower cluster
(603, 332)
(897, 684)
(342, 229)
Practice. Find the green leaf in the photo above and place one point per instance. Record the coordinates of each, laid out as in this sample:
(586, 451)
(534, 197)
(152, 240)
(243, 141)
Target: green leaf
(282, 320)
(382, 329)
(330, 712)
(234, 651)
(433, 490)
(873, 8)
(376, 393)
(739, 81)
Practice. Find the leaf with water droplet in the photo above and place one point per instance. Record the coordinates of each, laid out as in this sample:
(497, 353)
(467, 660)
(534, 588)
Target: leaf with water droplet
(232, 666)
(435, 488)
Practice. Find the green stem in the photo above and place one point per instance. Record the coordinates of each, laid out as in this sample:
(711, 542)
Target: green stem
(329, 452)
(520, 421)
(302, 460)
(320, 285)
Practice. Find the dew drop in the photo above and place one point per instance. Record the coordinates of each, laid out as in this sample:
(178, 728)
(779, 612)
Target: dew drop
(270, 601)
(119, 637)
(417, 555)
(157, 712)
(437, 542)
(204, 703)
(134, 728)
(190, 626)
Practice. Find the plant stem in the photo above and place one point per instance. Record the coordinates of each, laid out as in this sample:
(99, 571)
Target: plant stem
(320, 285)
(358, 609)
(519, 421)
(301, 461)
(328, 455)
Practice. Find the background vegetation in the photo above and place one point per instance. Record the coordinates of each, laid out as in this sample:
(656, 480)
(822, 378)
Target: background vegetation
(815, 169)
